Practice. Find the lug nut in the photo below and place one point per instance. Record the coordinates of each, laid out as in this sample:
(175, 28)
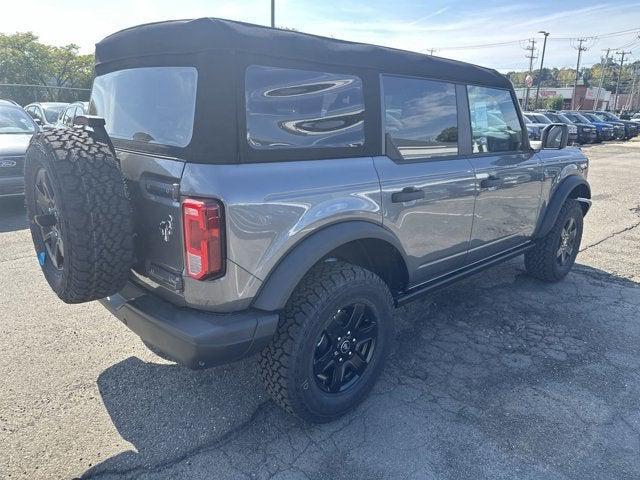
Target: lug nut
(339, 338)
(335, 354)
(340, 359)
(348, 333)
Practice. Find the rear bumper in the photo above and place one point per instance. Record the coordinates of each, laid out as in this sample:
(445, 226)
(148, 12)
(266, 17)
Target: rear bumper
(10, 186)
(194, 338)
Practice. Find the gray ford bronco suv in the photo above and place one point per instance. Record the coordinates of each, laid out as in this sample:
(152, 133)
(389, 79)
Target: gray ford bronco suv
(237, 189)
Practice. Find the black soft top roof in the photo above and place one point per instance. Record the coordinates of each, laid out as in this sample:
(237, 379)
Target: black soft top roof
(178, 37)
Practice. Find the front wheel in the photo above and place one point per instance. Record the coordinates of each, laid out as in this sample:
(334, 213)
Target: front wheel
(554, 255)
(331, 344)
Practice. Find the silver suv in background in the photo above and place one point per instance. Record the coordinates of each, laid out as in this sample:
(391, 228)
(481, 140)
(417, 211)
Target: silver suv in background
(45, 113)
(281, 193)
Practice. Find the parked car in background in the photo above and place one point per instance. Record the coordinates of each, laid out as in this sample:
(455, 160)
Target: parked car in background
(554, 117)
(534, 127)
(631, 129)
(71, 112)
(8, 102)
(534, 130)
(619, 130)
(635, 118)
(543, 119)
(16, 129)
(587, 132)
(45, 113)
(604, 130)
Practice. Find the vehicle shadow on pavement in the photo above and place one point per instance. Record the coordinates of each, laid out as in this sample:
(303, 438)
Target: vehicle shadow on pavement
(499, 376)
(13, 215)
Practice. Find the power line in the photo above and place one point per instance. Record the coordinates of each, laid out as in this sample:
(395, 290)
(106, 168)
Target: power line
(591, 38)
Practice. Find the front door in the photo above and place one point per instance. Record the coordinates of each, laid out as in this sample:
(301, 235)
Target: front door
(428, 188)
(508, 174)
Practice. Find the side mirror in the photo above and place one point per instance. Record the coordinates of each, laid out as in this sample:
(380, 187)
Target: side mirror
(555, 136)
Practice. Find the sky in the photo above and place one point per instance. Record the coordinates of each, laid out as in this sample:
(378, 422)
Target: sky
(407, 24)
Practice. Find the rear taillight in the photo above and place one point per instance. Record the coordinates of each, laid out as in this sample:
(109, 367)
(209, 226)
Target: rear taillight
(203, 225)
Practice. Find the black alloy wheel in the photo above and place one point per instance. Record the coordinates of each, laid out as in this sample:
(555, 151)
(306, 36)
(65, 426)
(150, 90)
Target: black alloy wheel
(47, 220)
(568, 236)
(345, 348)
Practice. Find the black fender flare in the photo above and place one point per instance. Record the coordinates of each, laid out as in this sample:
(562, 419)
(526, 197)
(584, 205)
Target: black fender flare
(559, 196)
(285, 276)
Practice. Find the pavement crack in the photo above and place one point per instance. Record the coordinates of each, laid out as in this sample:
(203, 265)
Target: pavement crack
(610, 236)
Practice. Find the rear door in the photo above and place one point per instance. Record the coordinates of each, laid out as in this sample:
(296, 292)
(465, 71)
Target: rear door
(427, 186)
(508, 174)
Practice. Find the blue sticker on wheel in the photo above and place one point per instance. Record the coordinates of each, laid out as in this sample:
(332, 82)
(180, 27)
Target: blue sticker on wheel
(41, 258)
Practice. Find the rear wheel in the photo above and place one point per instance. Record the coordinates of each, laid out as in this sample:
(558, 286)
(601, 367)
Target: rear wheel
(332, 341)
(554, 255)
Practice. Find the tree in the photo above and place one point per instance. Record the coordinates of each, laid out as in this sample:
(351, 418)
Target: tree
(25, 60)
(553, 103)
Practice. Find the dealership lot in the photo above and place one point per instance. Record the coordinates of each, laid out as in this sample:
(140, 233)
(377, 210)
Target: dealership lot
(499, 376)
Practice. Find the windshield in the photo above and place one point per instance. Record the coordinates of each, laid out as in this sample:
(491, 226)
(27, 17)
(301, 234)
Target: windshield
(527, 121)
(52, 113)
(153, 105)
(582, 118)
(608, 116)
(574, 118)
(541, 118)
(15, 120)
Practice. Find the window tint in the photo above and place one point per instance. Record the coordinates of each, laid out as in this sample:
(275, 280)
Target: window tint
(153, 105)
(495, 125)
(420, 116)
(289, 108)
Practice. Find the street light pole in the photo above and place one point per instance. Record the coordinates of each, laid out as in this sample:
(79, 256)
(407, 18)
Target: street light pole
(544, 48)
(273, 13)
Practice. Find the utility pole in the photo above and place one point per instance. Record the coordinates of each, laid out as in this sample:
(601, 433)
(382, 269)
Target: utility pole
(531, 48)
(544, 48)
(580, 49)
(273, 13)
(615, 101)
(431, 50)
(633, 90)
(603, 64)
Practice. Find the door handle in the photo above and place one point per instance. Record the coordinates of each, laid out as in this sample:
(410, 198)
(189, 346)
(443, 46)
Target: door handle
(407, 194)
(491, 181)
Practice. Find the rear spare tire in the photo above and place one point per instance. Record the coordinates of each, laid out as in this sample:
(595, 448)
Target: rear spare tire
(79, 214)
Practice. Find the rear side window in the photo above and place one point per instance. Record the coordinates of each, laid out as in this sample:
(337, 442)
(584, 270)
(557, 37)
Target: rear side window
(495, 126)
(154, 105)
(420, 117)
(288, 108)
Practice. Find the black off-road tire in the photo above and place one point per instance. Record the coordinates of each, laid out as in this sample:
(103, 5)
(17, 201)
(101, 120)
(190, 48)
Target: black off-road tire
(286, 363)
(541, 261)
(92, 212)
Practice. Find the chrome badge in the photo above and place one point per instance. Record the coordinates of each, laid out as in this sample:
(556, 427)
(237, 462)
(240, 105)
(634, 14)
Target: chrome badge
(7, 163)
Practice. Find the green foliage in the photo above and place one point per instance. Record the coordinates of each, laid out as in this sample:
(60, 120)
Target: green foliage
(553, 103)
(25, 60)
(590, 76)
(449, 134)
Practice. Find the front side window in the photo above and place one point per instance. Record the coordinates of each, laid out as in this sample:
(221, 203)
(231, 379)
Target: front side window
(495, 126)
(288, 108)
(420, 117)
(154, 105)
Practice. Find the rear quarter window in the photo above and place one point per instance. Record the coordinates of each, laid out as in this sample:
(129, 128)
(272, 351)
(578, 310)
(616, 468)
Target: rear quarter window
(154, 105)
(289, 108)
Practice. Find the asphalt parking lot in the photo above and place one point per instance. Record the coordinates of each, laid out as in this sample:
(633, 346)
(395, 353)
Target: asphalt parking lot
(497, 377)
